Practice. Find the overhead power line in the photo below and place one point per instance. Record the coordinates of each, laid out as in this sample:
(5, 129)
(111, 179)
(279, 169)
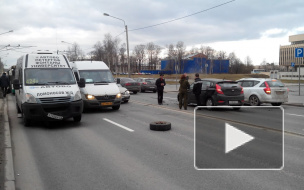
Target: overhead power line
(183, 16)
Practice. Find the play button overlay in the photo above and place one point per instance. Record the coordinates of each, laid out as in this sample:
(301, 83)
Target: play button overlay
(235, 138)
(247, 139)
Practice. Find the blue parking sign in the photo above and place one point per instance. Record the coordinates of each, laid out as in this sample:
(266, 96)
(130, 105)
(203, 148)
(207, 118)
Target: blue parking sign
(292, 64)
(298, 52)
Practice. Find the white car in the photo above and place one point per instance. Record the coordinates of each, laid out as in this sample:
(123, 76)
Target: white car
(258, 91)
(125, 94)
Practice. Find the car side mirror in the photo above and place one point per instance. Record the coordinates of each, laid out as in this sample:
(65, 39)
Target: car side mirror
(81, 83)
(118, 80)
(16, 84)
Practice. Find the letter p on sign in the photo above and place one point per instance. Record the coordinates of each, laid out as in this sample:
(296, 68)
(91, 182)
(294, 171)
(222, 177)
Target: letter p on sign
(299, 52)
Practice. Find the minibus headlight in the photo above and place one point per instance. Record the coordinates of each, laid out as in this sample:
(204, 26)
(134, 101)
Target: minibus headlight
(118, 96)
(89, 97)
(29, 98)
(77, 96)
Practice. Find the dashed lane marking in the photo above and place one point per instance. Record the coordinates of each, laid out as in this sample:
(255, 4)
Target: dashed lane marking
(118, 125)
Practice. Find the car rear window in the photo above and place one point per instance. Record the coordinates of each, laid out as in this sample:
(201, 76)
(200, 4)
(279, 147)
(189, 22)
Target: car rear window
(228, 84)
(275, 83)
(152, 81)
(127, 80)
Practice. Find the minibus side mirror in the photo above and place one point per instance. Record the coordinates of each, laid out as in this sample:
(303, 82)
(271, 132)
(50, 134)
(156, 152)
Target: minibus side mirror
(16, 84)
(81, 83)
(118, 80)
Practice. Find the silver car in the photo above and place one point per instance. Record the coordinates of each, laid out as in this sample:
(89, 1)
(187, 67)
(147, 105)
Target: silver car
(125, 94)
(258, 91)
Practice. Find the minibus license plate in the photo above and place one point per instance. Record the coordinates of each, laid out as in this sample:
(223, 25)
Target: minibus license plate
(106, 103)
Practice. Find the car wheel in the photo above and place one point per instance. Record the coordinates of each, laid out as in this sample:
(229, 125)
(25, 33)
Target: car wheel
(126, 101)
(116, 107)
(134, 92)
(77, 118)
(154, 91)
(254, 100)
(160, 126)
(18, 109)
(276, 104)
(142, 90)
(209, 103)
(26, 121)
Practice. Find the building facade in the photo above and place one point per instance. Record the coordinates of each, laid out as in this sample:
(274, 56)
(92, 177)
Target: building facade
(287, 52)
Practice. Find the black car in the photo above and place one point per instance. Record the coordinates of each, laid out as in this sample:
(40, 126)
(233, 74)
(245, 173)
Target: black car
(147, 84)
(218, 92)
(130, 84)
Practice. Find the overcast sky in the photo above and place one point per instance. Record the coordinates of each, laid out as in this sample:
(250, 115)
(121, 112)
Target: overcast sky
(254, 28)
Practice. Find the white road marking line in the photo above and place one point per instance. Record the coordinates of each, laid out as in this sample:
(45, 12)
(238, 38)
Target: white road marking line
(294, 115)
(117, 124)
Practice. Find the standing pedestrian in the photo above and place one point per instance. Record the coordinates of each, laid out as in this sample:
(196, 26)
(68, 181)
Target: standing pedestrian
(197, 89)
(160, 83)
(4, 83)
(183, 86)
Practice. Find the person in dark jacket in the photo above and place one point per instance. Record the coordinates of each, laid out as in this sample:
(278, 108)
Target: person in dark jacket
(184, 85)
(197, 89)
(4, 83)
(160, 83)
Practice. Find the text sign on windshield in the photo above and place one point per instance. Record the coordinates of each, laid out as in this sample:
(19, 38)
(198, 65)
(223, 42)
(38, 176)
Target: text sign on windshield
(46, 61)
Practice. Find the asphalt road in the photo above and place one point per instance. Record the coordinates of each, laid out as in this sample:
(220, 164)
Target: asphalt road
(99, 154)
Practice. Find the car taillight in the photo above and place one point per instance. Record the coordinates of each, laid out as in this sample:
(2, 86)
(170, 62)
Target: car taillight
(242, 92)
(218, 89)
(138, 84)
(267, 90)
(128, 84)
(144, 83)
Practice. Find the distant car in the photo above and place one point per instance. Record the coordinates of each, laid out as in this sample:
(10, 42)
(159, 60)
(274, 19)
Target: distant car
(217, 92)
(130, 84)
(258, 91)
(147, 84)
(125, 94)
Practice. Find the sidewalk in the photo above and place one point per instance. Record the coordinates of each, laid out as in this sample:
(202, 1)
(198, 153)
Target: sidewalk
(7, 178)
(293, 98)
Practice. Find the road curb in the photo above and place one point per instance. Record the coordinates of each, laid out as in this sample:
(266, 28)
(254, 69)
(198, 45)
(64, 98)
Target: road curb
(9, 181)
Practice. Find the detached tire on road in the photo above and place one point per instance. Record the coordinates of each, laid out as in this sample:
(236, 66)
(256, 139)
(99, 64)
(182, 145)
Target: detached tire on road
(160, 126)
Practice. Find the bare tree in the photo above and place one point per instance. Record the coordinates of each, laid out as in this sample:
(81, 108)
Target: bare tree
(99, 53)
(74, 52)
(180, 52)
(139, 53)
(122, 51)
(153, 52)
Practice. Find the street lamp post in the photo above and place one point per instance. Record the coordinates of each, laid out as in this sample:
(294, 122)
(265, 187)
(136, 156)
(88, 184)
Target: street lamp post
(75, 49)
(126, 27)
(7, 32)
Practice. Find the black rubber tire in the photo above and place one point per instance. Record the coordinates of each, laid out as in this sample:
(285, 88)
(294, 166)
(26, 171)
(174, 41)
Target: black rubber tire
(126, 101)
(116, 107)
(142, 90)
(134, 92)
(236, 108)
(154, 91)
(26, 121)
(77, 118)
(254, 100)
(18, 109)
(276, 104)
(160, 126)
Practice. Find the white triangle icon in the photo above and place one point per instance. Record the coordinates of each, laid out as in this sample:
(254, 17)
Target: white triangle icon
(235, 138)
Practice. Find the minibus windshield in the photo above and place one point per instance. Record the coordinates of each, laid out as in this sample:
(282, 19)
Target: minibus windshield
(48, 76)
(97, 76)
